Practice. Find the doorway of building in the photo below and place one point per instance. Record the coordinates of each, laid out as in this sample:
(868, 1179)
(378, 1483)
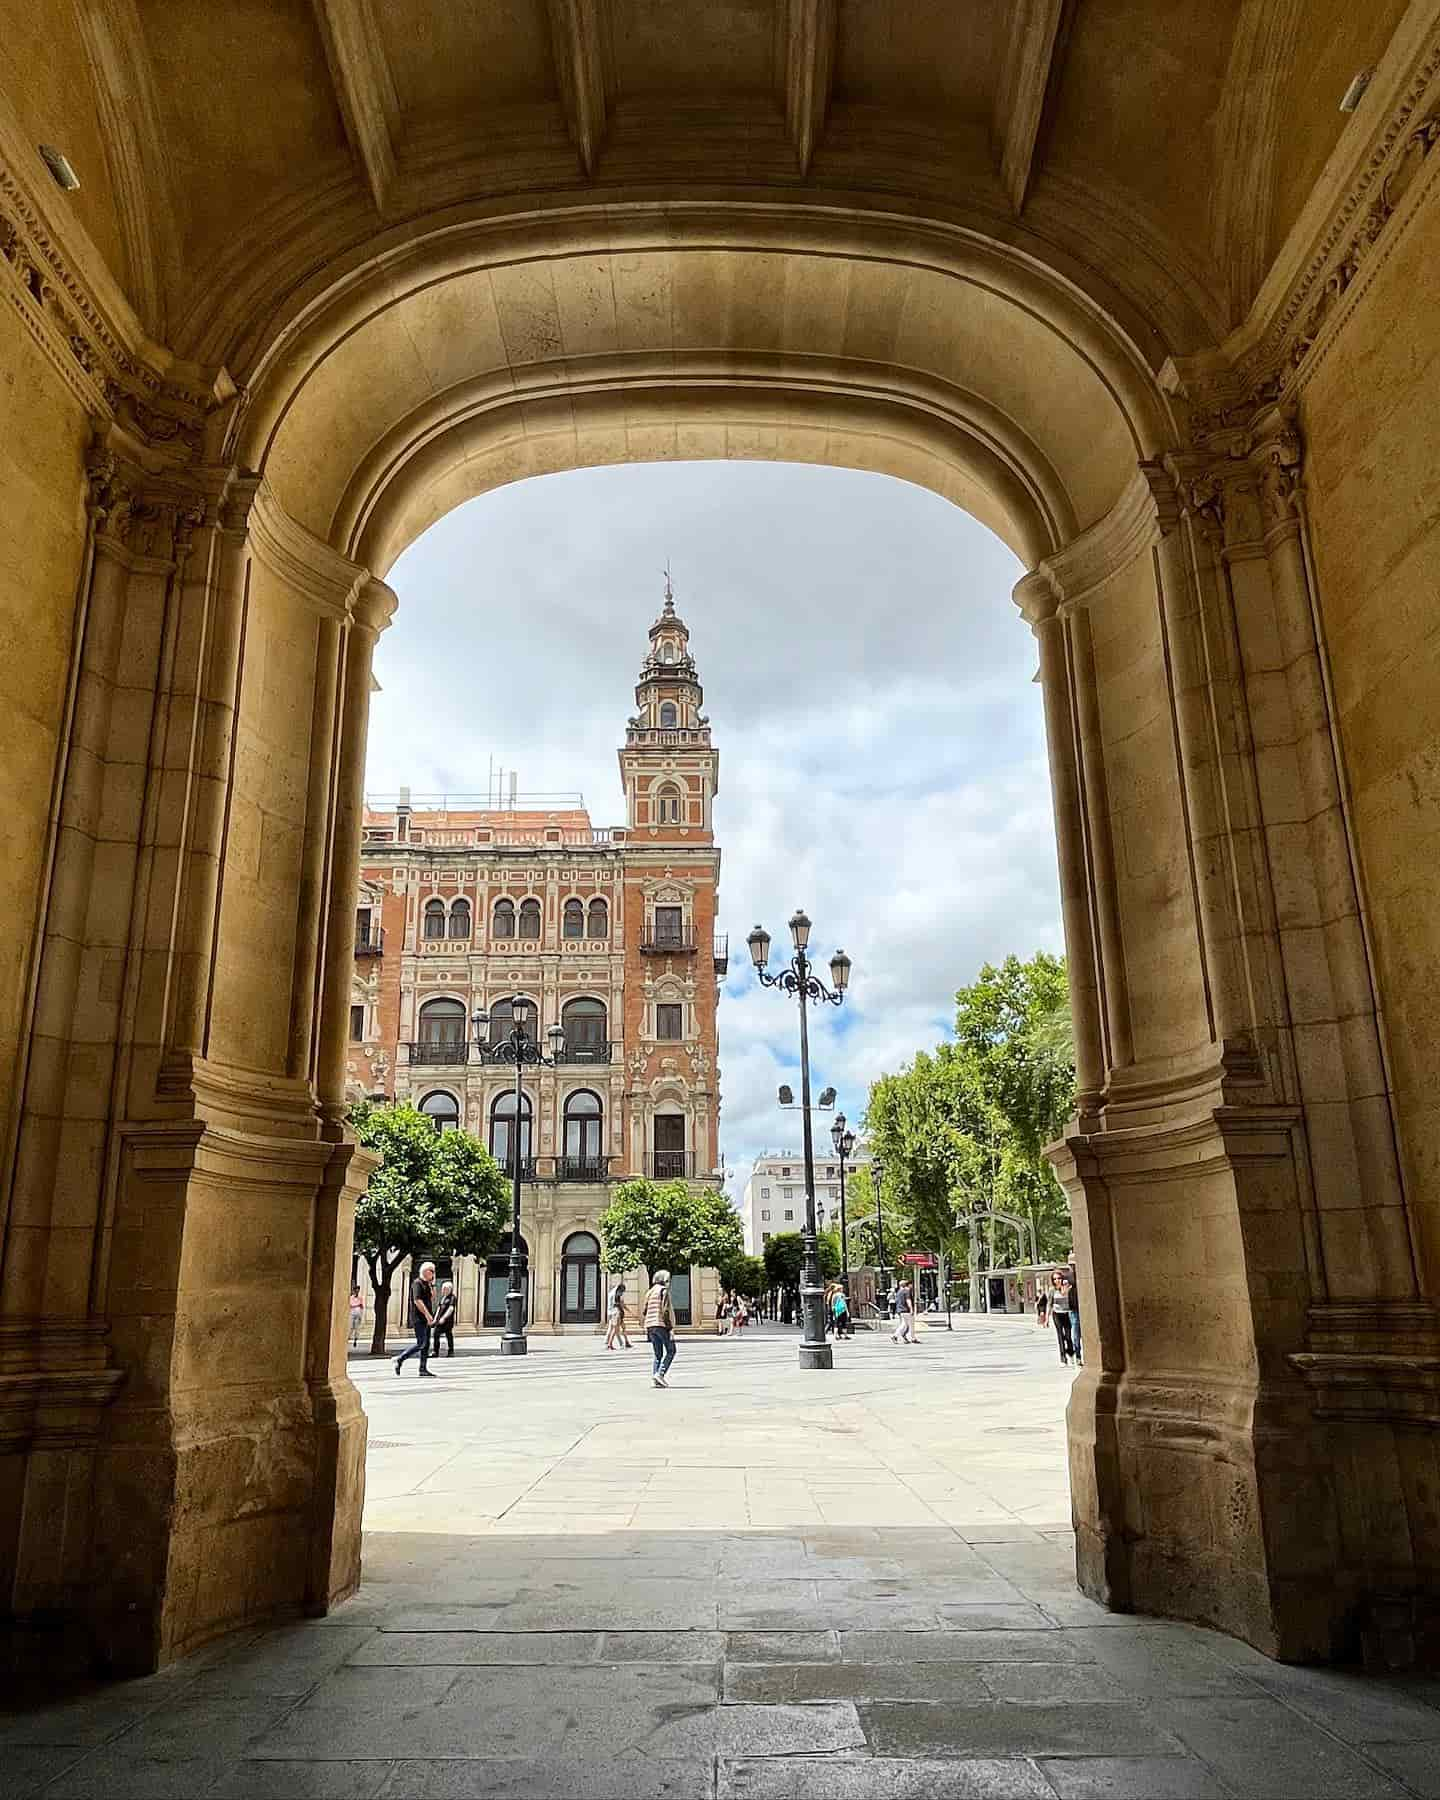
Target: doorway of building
(497, 1282)
(580, 1280)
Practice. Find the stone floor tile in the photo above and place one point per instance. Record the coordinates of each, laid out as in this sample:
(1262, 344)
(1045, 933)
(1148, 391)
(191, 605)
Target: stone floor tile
(203, 1727)
(787, 1731)
(1416, 1765)
(781, 1646)
(259, 1780)
(441, 1617)
(468, 1648)
(28, 1767)
(799, 1683)
(1132, 1778)
(959, 1646)
(1027, 1682)
(662, 1646)
(86, 1720)
(1017, 1615)
(287, 1661)
(1358, 1708)
(1167, 1659)
(881, 1778)
(552, 1778)
(926, 1729)
(113, 1773)
(1263, 1750)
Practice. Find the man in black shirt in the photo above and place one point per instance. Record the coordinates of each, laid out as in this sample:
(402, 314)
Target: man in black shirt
(422, 1316)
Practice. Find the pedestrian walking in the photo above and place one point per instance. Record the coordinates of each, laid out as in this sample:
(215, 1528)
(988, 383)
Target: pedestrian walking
(723, 1314)
(659, 1321)
(422, 1317)
(615, 1315)
(904, 1331)
(1074, 1297)
(444, 1329)
(1060, 1316)
(742, 1314)
(357, 1313)
(840, 1307)
(1042, 1308)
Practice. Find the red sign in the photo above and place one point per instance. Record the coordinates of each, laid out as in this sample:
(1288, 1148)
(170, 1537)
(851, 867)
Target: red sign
(919, 1258)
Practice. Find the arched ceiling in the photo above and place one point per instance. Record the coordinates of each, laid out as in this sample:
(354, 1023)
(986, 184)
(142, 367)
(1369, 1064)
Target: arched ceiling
(488, 355)
(1157, 150)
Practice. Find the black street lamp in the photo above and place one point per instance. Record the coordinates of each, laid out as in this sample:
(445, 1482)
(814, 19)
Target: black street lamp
(517, 1047)
(877, 1175)
(799, 979)
(844, 1142)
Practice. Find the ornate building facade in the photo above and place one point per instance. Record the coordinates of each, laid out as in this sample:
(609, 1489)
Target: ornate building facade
(608, 932)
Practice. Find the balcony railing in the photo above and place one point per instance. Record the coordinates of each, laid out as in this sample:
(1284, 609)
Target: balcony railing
(668, 1165)
(529, 1168)
(444, 1053)
(668, 943)
(371, 943)
(582, 1168)
(585, 1053)
(722, 952)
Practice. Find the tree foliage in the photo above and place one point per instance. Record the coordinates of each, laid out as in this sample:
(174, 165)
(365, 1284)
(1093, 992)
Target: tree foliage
(784, 1252)
(746, 1275)
(668, 1225)
(436, 1193)
(963, 1128)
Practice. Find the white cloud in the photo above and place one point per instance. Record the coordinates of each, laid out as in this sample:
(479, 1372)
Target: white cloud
(870, 689)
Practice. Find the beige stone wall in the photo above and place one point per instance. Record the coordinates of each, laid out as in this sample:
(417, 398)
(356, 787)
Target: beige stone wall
(42, 548)
(1371, 414)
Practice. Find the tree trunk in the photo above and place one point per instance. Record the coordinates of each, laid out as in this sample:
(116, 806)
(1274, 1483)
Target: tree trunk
(381, 1292)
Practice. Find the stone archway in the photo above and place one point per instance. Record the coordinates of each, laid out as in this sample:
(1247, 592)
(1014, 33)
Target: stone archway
(1259, 1283)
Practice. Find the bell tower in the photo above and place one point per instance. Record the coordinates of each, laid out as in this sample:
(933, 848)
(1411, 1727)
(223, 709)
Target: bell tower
(671, 772)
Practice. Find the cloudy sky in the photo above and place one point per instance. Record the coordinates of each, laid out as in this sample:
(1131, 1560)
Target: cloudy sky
(869, 686)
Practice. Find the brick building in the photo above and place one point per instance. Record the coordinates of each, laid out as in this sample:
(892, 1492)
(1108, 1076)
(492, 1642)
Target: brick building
(608, 931)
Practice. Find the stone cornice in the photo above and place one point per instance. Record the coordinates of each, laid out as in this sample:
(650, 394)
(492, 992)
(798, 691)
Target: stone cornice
(1349, 210)
(306, 563)
(1130, 527)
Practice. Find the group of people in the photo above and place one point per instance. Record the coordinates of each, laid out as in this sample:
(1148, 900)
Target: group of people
(431, 1319)
(732, 1315)
(1060, 1304)
(657, 1318)
(837, 1311)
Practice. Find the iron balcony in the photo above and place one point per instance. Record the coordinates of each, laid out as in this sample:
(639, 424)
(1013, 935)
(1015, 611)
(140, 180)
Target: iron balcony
(668, 1165)
(669, 943)
(371, 943)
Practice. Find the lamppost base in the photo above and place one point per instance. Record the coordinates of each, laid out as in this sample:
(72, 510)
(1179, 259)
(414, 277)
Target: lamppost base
(816, 1356)
(514, 1346)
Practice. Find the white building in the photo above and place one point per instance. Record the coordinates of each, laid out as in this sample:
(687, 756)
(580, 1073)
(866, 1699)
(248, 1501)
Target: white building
(774, 1196)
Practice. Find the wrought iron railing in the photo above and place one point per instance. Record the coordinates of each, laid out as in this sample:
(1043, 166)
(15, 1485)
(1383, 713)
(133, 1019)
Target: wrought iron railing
(668, 1165)
(371, 943)
(441, 1053)
(582, 1168)
(722, 952)
(586, 1053)
(668, 943)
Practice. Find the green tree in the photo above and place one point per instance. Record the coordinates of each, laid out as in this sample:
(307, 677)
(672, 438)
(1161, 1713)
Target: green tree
(668, 1225)
(435, 1193)
(1012, 1026)
(746, 1275)
(784, 1254)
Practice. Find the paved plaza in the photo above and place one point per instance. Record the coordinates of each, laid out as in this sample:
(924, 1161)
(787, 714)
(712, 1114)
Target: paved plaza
(757, 1585)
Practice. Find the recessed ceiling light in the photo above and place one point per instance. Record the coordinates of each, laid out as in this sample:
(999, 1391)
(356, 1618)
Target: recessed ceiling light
(58, 164)
(1355, 93)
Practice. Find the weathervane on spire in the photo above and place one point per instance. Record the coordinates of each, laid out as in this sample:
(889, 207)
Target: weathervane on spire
(669, 591)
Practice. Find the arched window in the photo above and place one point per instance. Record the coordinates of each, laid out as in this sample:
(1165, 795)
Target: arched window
(529, 918)
(580, 1280)
(597, 924)
(668, 714)
(506, 1142)
(434, 918)
(442, 1110)
(504, 926)
(442, 1033)
(667, 653)
(505, 1013)
(584, 1022)
(584, 1137)
(460, 919)
(667, 805)
(574, 919)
